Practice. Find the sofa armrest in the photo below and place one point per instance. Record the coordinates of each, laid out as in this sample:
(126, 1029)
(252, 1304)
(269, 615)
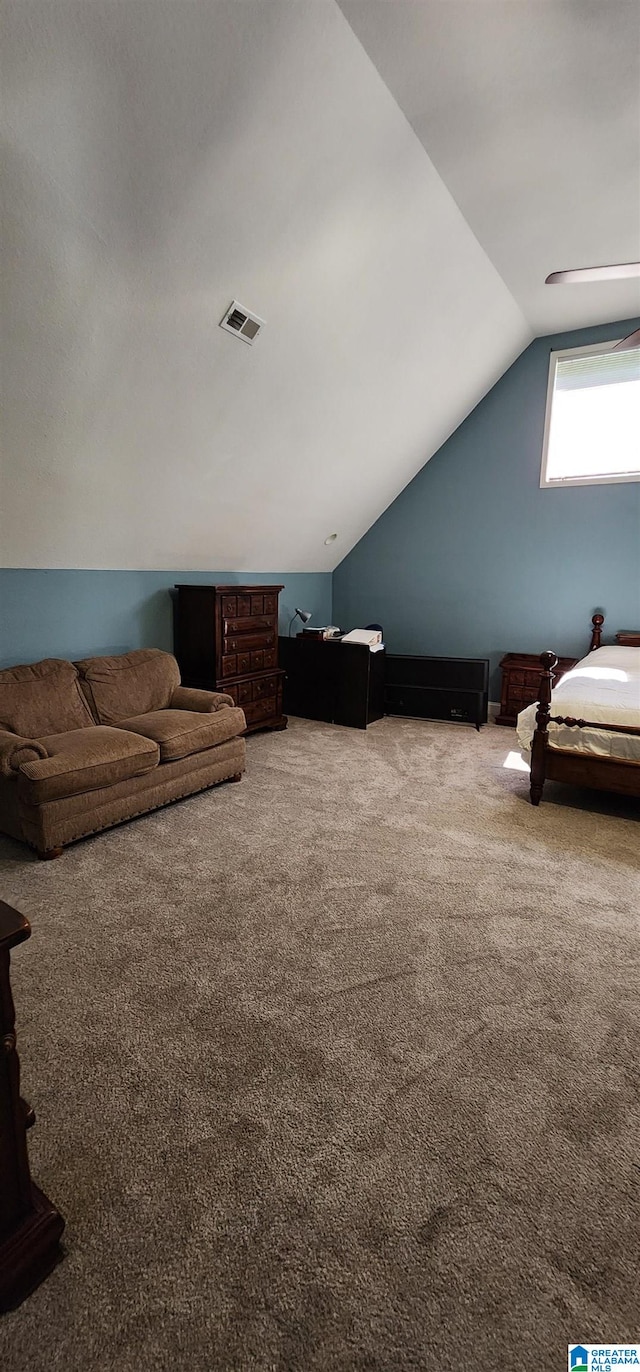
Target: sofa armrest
(203, 702)
(15, 750)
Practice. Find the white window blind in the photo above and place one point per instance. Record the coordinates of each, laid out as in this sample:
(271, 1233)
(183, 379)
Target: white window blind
(592, 427)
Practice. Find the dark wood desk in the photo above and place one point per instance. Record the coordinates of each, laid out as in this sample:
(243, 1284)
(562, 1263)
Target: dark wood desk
(340, 683)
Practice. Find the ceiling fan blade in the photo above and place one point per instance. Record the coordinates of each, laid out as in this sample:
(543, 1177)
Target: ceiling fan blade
(631, 341)
(613, 273)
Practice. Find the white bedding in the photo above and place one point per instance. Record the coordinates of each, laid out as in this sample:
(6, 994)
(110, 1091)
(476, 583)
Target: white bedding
(604, 687)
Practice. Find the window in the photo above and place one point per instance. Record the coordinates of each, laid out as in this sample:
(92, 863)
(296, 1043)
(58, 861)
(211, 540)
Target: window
(592, 424)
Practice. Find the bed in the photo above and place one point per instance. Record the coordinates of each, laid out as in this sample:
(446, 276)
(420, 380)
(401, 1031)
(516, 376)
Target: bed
(587, 730)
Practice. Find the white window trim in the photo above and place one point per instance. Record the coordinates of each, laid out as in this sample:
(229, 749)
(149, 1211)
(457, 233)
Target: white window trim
(546, 485)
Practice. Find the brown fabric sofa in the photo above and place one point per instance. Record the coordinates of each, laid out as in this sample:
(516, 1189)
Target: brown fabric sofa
(85, 745)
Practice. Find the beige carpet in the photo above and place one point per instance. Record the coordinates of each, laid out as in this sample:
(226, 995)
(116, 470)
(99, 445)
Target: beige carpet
(337, 1068)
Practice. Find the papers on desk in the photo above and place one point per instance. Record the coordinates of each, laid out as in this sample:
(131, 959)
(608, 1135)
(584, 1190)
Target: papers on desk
(370, 638)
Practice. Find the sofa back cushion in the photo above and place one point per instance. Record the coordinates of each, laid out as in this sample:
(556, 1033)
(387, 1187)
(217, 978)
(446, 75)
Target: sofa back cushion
(42, 698)
(133, 684)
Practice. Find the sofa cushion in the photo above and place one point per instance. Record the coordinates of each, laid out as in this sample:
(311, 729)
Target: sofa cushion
(179, 733)
(85, 760)
(132, 684)
(42, 698)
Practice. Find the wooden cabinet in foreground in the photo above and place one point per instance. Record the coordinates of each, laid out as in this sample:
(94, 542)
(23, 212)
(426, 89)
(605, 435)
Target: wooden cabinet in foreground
(30, 1226)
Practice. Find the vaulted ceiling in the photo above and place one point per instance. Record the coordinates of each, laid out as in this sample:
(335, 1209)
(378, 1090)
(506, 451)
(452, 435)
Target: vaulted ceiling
(385, 184)
(530, 113)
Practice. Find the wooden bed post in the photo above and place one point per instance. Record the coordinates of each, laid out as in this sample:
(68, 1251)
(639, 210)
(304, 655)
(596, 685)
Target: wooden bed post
(596, 632)
(541, 736)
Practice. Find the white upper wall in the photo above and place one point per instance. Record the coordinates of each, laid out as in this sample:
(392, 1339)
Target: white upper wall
(530, 110)
(165, 157)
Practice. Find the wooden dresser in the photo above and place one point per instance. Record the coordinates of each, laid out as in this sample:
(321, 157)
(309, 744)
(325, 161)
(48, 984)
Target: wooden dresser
(226, 639)
(521, 673)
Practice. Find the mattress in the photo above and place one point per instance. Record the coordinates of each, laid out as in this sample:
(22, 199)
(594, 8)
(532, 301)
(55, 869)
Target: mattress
(604, 687)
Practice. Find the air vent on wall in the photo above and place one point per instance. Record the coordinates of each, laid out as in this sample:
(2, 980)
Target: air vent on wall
(241, 322)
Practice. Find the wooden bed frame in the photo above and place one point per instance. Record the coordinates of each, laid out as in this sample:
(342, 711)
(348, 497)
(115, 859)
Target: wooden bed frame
(580, 769)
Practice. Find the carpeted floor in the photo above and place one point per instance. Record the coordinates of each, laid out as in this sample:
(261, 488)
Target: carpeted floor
(337, 1068)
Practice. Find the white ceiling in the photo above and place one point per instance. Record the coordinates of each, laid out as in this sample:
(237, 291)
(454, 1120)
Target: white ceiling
(530, 112)
(165, 156)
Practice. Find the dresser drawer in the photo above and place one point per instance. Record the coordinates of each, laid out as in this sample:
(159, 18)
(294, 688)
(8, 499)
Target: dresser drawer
(244, 625)
(244, 643)
(240, 692)
(264, 686)
(229, 665)
(260, 709)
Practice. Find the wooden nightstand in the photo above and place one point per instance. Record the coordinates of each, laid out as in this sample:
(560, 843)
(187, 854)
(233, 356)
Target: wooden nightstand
(521, 673)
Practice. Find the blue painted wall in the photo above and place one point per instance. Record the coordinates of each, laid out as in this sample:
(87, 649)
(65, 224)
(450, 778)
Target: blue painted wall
(474, 559)
(74, 613)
